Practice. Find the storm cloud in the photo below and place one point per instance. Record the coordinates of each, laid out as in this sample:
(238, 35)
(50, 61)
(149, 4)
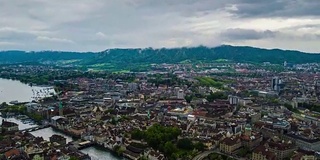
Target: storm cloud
(95, 25)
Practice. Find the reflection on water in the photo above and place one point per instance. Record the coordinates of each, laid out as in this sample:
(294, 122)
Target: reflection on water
(98, 154)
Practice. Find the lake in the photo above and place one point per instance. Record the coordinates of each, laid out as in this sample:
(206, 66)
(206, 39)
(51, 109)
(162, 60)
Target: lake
(11, 90)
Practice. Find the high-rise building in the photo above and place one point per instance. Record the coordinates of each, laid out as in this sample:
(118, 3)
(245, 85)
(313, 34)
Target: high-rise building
(317, 88)
(276, 84)
(233, 100)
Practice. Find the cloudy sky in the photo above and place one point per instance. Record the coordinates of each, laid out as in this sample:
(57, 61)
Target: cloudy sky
(95, 25)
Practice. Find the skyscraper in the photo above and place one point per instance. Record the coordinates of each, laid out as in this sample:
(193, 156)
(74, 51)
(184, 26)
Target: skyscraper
(276, 84)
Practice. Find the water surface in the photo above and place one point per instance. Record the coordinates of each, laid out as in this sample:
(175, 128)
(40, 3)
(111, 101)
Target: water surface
(12, 90)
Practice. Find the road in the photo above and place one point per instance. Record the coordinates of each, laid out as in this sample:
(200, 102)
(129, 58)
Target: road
(202, 155)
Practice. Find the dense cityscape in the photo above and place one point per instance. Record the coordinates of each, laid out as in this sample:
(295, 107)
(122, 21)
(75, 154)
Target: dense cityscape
(174, 111)
(159, 80)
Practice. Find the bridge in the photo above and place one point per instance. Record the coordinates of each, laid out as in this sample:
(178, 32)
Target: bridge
(202, 155)
(35, 128)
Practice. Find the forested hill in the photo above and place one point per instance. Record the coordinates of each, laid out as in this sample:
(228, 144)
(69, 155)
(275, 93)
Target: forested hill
(175, 55)
(9, 57)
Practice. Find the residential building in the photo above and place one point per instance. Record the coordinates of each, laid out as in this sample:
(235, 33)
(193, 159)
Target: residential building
(230, 145)
(262, 153)
(9, 126)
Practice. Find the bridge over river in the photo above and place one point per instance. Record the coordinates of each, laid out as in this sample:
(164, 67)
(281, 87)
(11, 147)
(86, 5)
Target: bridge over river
(35, 128)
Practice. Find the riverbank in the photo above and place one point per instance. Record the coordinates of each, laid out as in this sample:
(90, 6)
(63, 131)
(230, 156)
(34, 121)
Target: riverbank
(94, 144)
(94, 151)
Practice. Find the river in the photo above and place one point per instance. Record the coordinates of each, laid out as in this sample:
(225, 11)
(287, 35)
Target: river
(14, 90)
(94, 152)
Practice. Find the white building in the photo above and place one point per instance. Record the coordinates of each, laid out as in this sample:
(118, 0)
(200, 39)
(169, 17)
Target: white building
(180, 94)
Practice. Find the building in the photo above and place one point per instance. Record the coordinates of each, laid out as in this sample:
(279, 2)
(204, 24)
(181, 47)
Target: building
(303, 155)
(252, 141)
(262, 153)
(230, 145)
(317, 88)
(283, 125)
(233, 100)
(32, 107)
(305, 143)
(276, 84)
(255, 117)
(58, 139)
(9, 126)
(15, 154)
(282, 149)
(180, 94)
(132, 86)
(57, 121)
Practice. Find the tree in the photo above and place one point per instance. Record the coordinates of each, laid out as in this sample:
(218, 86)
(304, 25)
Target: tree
(243, 151)
(118, 149)
(137, 134)
(185, 143)
(158, 135)
(290, 108)
(217, 95)
(113, 121)
(199, 146)
(73, 158)
(188, 98)
(169, 148)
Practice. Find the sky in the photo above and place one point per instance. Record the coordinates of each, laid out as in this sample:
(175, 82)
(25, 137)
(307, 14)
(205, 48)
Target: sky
(96, 25)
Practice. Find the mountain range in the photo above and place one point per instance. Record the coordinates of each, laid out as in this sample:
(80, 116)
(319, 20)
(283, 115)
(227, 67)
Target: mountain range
(125, 57)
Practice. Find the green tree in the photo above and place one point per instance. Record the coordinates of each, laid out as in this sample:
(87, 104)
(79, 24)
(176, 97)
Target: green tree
(118, 149)
(243, 151)
(185, 143)
(137, 134)
(217, 95)
(199, 146)
(169, 148)
(188, 98)
(157, 135)
(73, 158)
